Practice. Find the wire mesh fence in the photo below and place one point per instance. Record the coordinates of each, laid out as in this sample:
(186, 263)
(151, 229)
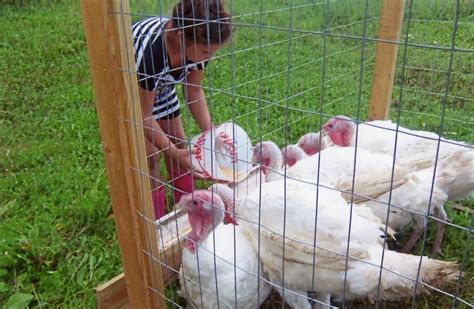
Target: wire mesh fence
(287, 69)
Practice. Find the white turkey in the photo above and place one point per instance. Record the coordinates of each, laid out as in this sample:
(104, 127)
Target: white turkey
(269, 153)
(336, 168)
(410, 198)
(292, 154)
(313, 142)
(314, 255)
(411, 202)
(214, 251)
(413, 147)
(270, 163)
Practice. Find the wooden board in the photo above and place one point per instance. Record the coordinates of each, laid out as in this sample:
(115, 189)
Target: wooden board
(391, 17)
(110, 50)
(113, 294)
(171, 231)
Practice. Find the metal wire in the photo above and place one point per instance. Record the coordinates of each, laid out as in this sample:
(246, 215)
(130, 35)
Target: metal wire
(232, 83)
(310, 182)
(448, 81)
(287, 90)
(351, 204)
(340, 35)
(260, 124)
(258, 105)
(321, 105)
(464, 259)
(404, 57)
(353, 258)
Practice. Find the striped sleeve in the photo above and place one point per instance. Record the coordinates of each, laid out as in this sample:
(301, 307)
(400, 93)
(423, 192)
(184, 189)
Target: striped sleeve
(149, 55)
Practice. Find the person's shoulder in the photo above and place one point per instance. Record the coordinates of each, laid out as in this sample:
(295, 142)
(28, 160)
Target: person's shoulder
(151, 19)
(148, 21)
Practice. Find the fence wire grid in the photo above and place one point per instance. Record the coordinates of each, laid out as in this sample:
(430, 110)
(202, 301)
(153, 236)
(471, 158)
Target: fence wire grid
(288, 68)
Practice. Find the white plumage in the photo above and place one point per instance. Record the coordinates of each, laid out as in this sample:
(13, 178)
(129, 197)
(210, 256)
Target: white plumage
(313, 142)
(337, 166)
(412, 147)
(216, 258)
(410, 196)
(292, 154)
(270, 161)
(288, 207)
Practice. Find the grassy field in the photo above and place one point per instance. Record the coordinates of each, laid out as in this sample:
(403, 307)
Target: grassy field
(57, 230)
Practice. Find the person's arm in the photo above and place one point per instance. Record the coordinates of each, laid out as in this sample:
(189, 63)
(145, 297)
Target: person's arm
(155, 134)
(196, 99)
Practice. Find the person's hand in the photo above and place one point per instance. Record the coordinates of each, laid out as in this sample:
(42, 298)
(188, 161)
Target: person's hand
(182, 158)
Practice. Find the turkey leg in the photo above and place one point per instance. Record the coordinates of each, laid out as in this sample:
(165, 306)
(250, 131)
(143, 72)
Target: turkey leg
(440, 226)
(415, 235)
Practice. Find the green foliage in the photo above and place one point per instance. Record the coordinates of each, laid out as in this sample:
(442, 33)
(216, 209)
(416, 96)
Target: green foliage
(57, 232)
(18, 301)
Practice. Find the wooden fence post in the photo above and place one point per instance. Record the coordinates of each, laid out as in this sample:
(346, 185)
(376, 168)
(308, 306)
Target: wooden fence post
(391, 18)
(107, 28)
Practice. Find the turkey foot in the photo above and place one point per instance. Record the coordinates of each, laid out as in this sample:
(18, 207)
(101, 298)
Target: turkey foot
(415, 235)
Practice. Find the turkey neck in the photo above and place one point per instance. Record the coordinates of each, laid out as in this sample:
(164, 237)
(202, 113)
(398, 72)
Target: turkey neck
(274, 164)
(348, 136)
(203, 225)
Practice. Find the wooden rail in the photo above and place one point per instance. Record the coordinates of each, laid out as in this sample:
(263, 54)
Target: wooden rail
(107, 27)
(391, 18)
(171, 230)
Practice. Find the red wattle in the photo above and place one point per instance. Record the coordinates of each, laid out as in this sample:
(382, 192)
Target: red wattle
(337, 139)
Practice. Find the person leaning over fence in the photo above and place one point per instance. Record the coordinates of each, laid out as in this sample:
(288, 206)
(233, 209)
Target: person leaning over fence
(171, 51)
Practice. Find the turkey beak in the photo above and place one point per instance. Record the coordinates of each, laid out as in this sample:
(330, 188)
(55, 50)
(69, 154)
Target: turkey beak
(181, 205)
(253, 155)
(178, 206)
(254, 160)
(324, 129)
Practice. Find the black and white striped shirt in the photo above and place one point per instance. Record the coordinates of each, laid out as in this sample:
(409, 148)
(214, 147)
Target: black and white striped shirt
(152, 63)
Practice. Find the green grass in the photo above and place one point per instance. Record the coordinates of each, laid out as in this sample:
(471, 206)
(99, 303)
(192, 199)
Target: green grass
(57, 232)
(58, 238)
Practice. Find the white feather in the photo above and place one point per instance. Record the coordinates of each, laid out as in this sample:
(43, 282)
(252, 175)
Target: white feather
(219, 260)
(288, 207)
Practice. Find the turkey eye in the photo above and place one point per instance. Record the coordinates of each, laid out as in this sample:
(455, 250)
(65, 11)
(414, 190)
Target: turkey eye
(195, 203)
(330, 126)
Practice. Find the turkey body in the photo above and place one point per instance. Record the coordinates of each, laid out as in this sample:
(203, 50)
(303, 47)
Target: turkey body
(410, 147)
(303, 237)
(373, 178)
(341, 167)
(236, 286)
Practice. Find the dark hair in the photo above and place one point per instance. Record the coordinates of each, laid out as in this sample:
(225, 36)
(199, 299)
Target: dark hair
(194, 17)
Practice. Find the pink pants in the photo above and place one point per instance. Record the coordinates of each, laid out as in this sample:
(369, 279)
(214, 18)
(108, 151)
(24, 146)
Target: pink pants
(182, 184)
(158, 198)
